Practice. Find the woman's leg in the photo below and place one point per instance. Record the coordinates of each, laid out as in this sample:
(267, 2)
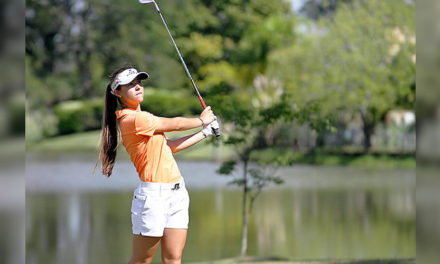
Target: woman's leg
(173, 242)
(144, 248)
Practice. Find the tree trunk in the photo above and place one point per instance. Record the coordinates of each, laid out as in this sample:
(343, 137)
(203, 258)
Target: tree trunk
(83, 55)
(244, 212)
(368, 129)
(367, 138)
(244, 235)
(85, 74)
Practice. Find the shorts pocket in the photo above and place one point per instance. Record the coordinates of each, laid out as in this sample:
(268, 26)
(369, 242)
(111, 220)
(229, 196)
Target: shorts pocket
(138, 205)
(185, 198)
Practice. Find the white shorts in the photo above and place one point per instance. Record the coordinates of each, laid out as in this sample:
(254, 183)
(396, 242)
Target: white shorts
(157, 206)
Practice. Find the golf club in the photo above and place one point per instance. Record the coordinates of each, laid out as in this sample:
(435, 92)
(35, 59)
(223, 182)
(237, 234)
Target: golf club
(215, 126)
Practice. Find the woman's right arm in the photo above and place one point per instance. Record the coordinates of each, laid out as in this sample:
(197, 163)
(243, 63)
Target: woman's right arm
(183, 123)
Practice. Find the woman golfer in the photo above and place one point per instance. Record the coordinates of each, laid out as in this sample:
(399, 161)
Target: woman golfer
(159, 211)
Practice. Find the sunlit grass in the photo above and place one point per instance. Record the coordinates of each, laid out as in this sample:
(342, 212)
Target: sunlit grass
(85, 141)
(274, 260)
(321, 158)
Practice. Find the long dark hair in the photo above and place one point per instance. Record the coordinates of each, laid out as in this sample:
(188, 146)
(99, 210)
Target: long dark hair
(110, 132)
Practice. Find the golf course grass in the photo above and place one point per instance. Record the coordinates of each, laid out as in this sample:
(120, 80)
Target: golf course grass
(252, 260)
(89, 142)
(339, 159)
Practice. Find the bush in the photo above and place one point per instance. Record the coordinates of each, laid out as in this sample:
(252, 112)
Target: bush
(76, 116)
(13, 115)
(82, 115)
(171, 104)
(40, 125)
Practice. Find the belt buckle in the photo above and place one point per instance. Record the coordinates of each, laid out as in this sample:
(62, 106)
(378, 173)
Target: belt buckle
(176, 187)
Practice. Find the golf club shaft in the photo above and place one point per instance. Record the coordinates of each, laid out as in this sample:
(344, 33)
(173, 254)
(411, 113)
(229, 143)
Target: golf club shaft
(181, 58)
(215, 126)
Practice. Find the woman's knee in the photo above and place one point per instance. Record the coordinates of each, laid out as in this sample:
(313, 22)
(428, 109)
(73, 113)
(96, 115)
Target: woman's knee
(172, 258)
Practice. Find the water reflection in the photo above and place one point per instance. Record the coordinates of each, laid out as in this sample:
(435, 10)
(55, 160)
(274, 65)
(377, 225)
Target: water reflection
(73, 216)
(90, 227)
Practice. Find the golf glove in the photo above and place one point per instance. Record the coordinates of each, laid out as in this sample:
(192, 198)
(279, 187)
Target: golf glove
(207, 130)
(215, 127)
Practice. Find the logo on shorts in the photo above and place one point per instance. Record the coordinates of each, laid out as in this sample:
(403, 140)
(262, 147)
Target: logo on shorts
(176, 187)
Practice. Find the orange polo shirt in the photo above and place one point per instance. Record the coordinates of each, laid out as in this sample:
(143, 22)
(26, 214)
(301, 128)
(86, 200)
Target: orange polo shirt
(147, 148)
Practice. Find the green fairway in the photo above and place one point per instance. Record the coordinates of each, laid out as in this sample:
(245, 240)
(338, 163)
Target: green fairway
(86, 141)
(274, 260)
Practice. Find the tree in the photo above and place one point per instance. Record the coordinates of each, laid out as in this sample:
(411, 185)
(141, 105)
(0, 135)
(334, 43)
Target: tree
(249, 101)
(248, 119)
(359, 61)
(369, 49)
(252, 181)
(59, 50)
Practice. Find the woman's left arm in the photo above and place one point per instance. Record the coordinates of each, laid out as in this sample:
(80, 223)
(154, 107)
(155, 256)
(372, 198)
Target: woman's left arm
(182, 123)
(182, 143)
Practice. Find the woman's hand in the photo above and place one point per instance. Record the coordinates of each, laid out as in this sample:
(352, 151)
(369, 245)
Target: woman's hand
(207, 130)
(207, 116)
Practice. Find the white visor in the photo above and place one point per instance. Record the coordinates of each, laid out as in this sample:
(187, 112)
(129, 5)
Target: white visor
(127, 76)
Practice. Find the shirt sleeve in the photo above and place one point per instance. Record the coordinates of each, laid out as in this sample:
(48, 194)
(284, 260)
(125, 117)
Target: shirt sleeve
(145, 123)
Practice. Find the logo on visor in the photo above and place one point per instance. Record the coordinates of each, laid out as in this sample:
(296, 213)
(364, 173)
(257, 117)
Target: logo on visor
(131, 71)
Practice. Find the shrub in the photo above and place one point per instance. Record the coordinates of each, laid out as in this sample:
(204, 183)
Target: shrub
(40, 125)
(15, 110)
(170, 104)
(82, 115)
(77, 116)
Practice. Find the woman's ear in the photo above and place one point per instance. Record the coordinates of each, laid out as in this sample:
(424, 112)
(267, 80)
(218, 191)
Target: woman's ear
(117, 93)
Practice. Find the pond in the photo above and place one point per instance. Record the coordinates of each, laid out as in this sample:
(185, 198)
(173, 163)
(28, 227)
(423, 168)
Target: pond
(74, 216)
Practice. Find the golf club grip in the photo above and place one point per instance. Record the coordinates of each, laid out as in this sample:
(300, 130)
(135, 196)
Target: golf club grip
(202, 102)
(216, 132)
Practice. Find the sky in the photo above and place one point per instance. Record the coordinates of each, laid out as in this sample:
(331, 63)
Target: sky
(296, 4)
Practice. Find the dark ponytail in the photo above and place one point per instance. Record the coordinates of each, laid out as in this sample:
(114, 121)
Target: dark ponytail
(109, 133)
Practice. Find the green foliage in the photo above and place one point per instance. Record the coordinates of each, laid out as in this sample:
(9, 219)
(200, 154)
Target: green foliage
(168, 104)
(15, 109)
(259, 39)
(232, 109)
(288, 157)
(273, 113)
(76, 116)
(256, 63)
(359, 61)
(238, 182)
(202, 48)
(45, 91)
(227, 167)
(260, 179)
(39, 126)
(223, 43)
